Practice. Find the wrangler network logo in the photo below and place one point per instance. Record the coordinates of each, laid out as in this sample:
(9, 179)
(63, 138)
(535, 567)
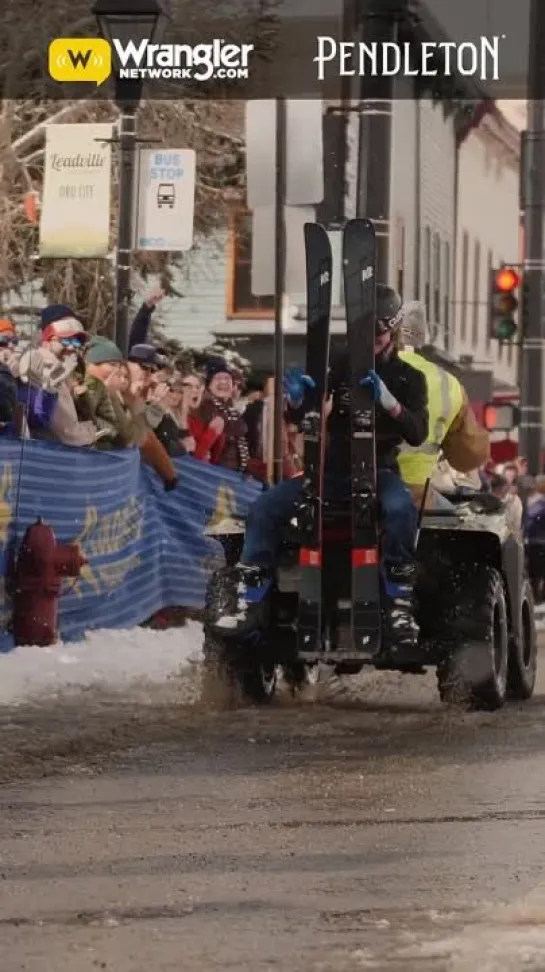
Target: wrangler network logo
(80, 59)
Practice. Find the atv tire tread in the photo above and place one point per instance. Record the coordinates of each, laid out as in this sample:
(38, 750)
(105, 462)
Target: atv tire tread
(522, 671)
(473, 674)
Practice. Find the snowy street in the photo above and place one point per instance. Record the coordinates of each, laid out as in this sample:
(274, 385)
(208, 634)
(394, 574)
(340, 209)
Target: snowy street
(361, 826)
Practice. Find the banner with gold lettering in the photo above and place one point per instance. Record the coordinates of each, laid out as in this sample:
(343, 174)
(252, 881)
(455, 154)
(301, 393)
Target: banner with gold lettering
(75, 211)
(145, 549)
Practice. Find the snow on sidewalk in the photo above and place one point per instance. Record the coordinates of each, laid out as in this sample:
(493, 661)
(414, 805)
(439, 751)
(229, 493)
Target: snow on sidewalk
(105, 657)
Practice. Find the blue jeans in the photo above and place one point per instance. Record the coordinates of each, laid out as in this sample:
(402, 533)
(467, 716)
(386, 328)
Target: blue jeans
(272, 511)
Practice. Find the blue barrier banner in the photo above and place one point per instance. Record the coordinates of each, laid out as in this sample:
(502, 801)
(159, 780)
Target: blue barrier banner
(146, 549)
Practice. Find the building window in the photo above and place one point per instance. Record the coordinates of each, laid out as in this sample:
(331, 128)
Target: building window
(427, 272)
(463, 295)
(446, 292)
(400, 256)
(437, 280)
(476, 294)
(240, 300)
(489, 268)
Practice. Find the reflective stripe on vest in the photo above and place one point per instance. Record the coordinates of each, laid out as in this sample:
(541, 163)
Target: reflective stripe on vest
(445, 399)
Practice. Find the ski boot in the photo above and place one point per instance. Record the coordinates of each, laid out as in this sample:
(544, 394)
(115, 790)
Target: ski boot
(400, 630)
(242, 608)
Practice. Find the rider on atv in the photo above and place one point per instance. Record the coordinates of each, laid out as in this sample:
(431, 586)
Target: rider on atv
(400, 394)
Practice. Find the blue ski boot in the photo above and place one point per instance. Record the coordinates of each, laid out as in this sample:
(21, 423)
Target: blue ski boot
(242, 608)
(400, 630)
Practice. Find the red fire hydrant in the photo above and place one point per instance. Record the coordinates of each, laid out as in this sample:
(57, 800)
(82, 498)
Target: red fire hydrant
(41, 565)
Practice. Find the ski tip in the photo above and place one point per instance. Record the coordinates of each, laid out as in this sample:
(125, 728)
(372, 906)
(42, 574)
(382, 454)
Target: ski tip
(359, 225)
(314, 229)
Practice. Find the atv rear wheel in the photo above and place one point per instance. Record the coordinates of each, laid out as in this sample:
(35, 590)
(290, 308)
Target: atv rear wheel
(218, 684)
(473, 675)
(257, 681)
(522, 670)
(233, 675)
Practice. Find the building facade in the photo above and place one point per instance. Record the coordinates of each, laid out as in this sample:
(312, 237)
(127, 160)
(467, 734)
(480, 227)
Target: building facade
(453, 215)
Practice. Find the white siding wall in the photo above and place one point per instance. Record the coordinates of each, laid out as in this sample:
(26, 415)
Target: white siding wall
(488, 216)
(194, 318)
(437, 228)
(434, 179)
(403, 216)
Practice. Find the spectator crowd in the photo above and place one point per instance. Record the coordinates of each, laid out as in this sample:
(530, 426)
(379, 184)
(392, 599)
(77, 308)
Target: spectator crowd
(77, 389)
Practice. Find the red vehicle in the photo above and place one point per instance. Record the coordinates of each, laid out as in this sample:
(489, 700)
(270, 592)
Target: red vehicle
(501, 418)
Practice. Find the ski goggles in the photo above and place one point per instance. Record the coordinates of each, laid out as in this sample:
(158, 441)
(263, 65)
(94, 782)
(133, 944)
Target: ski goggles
(72, 343)
(388, 324)
(8, 341)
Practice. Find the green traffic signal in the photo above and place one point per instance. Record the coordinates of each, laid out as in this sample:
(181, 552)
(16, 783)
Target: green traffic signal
(504, 303)
(505, 329)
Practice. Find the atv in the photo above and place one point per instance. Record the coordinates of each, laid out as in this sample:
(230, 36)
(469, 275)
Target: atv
(327, 601)
(473, 604)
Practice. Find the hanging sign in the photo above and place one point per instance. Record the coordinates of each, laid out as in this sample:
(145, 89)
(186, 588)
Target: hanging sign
(165, 199)
(75, 212)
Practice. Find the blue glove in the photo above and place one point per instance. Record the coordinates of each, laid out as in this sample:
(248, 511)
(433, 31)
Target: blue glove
(294, 384)
(381, 394)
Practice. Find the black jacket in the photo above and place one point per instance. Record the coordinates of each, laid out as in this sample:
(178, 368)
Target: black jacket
(253, 416)
(8, 395)
(405, 383)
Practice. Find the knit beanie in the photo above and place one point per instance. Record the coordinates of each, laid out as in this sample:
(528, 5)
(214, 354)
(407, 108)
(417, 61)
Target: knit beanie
(57, 312)
(100, 350)
(7, 329)
(217, 366)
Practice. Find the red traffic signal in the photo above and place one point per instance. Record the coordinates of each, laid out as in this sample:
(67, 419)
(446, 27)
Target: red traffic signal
(500, 418)
(503, 303)
(507, 280)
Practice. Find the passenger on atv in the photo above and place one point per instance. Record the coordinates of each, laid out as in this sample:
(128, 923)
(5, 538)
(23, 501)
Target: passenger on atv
(400, 394)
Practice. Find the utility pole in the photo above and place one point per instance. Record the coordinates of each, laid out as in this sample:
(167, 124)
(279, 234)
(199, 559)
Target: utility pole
(380, 23)
(127, 100)
(280, 284)
(533, 198)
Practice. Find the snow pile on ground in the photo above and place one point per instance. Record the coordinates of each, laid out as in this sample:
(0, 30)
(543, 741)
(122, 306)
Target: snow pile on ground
(112, 658)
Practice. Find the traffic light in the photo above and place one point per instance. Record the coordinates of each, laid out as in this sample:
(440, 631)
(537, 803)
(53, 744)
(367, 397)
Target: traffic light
(503, 303)
(501, 418)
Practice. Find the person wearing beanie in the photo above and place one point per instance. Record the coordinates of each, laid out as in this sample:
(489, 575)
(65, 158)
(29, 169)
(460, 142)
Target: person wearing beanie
(92, 396)
(8, 383)
(454, 434)
(49, 373)
(105, 369)
(218, 428)
(59, 323)
(8, 341)
(8, 334)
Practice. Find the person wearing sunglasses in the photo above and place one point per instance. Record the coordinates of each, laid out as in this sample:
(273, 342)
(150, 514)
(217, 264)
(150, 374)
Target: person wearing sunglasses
(144, 363)
(47, 375)
(399, 393)
(8, 384)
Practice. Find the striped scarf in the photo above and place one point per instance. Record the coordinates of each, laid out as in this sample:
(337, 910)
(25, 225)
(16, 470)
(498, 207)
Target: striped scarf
(230, 414)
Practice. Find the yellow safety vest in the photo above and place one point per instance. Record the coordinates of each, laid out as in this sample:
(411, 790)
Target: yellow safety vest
(445, 399)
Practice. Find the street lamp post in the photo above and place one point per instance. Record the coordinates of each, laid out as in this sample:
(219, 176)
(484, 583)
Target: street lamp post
(127, 20)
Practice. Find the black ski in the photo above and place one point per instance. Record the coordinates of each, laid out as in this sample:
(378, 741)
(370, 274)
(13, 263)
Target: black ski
(359, 262)
(319, 266)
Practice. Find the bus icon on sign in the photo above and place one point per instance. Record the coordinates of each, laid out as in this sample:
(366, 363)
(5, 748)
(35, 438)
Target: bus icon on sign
(166, 195)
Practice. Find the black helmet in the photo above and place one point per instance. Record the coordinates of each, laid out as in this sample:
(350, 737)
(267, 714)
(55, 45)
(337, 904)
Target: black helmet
(389, 309)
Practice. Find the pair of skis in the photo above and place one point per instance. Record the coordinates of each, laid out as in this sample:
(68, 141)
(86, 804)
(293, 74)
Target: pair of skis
(359, 259)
